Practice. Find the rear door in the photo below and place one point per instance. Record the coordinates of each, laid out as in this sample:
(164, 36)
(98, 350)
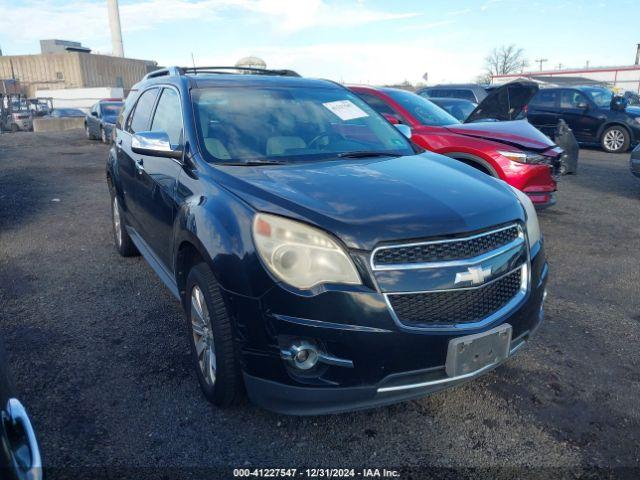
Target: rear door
(157, 180)
(131, 165)
(543, 111)
(581, 115)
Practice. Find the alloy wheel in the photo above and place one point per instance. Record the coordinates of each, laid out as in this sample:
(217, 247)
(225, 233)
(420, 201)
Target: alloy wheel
(117, 225)
(614, 139)
(203, 336)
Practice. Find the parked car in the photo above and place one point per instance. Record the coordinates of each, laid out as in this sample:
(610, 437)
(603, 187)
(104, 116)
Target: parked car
(512, 151)
(324, 262)
(19, 450)
(66, 113)
(99, 123)
(635, 161)
(460, 109)
(471, 92)
(594, 114)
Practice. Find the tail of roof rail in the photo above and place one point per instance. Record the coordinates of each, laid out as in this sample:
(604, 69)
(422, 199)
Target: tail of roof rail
(161, 72)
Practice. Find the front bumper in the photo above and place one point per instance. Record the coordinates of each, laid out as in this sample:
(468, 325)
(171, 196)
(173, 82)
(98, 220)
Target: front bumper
(390, 364)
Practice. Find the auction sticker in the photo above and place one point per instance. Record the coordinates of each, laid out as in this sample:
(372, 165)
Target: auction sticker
(345, 110)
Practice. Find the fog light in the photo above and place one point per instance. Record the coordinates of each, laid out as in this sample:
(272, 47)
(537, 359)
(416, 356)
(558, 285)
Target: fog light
(304, 355)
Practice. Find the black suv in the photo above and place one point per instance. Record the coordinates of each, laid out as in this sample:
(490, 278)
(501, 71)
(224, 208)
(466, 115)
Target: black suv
(594, 114)
(323, 261)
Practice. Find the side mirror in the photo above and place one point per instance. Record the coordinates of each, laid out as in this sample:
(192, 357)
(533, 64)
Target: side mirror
(94, 114)
(618, 103)
(404, 130)
(154, 144)
(391, 118)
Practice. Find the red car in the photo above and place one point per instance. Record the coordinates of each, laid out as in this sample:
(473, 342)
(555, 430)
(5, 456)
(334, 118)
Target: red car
(512, 150)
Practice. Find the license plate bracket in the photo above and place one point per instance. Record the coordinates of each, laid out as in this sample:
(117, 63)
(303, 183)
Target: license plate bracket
(474, 352)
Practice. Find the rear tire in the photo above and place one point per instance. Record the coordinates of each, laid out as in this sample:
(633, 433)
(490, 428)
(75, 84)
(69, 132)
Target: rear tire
(615, 139)
(124, 244)
(211, 338)
(14, 128)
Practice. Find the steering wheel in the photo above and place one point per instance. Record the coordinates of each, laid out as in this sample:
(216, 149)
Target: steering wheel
(317, 138)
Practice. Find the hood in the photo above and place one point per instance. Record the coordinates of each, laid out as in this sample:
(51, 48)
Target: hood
(504, 103)
(634, 111)
(519, 133)
(365, 202)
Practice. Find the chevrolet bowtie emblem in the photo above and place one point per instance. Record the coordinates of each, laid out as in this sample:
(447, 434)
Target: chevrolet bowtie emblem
(474, 275)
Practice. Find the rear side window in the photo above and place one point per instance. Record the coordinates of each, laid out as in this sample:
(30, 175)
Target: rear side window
(545, 99)
(139, 120)
(168, 116)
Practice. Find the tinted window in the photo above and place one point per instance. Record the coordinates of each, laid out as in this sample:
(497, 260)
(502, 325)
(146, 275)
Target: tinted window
(141, 115)
(572, 99)
(426, 112)
(379, 105)
(545, 98)
(601, 96)
(290, 124)
(168, 116)
(463, 93)
(111, 109)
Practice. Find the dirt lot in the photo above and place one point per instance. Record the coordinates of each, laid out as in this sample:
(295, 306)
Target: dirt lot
(100, 357)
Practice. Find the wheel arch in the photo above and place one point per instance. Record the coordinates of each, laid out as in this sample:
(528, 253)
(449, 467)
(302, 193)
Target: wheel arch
(475, 162)
(615, 123)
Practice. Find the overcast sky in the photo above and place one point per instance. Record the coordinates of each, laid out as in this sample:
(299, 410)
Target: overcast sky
(358, 41)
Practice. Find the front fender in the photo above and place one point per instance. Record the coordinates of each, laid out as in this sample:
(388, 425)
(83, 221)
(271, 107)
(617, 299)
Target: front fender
(218, 225)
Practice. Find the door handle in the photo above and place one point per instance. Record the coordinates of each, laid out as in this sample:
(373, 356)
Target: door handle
(119, 141)
(140, 165)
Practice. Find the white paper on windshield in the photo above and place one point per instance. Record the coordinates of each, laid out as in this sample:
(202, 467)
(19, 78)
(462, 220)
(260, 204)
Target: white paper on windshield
(345, 110)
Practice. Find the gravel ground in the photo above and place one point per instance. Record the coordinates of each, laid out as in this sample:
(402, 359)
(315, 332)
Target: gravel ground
(100, 357)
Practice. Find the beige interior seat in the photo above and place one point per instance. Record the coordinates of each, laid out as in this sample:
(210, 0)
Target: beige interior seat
(216, 148)
(280, 144)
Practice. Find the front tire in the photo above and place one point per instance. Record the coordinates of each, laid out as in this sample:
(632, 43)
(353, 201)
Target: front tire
(87, 133)
(615, 139)
(122, 240)
(211, 338)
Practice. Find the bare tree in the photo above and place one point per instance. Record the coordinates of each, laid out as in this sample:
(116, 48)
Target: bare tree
(504, 60)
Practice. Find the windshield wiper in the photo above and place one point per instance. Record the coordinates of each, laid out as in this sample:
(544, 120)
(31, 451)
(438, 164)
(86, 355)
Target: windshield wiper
(253, 163)
(367, 154)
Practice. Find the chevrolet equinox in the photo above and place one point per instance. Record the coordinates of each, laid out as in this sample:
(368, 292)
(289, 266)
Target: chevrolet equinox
(323, 261)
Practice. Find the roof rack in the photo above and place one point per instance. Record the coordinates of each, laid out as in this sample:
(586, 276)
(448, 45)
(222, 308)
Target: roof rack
(255, 71)
(175, 71)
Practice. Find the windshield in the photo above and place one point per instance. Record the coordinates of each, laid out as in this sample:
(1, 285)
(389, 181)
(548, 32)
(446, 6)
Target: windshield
(111, 109)
(243, 124)
(426, 112)
(601, 96)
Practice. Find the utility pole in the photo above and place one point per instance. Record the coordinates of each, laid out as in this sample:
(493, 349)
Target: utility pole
(559, 66)
(116, 31)
(541, 61)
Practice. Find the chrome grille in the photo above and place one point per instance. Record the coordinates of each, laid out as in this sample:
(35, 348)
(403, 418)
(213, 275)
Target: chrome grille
(458, 306)
(446, 249)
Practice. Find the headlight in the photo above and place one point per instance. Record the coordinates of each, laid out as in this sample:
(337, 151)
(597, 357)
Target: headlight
(637, 119)
(522, 157)
(300, 255)
(533, 227)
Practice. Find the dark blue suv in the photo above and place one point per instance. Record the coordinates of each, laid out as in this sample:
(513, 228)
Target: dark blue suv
(323, 261)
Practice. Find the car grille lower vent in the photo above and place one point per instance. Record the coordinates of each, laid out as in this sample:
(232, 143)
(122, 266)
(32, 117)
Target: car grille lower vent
(443, 251)
(455, 306)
